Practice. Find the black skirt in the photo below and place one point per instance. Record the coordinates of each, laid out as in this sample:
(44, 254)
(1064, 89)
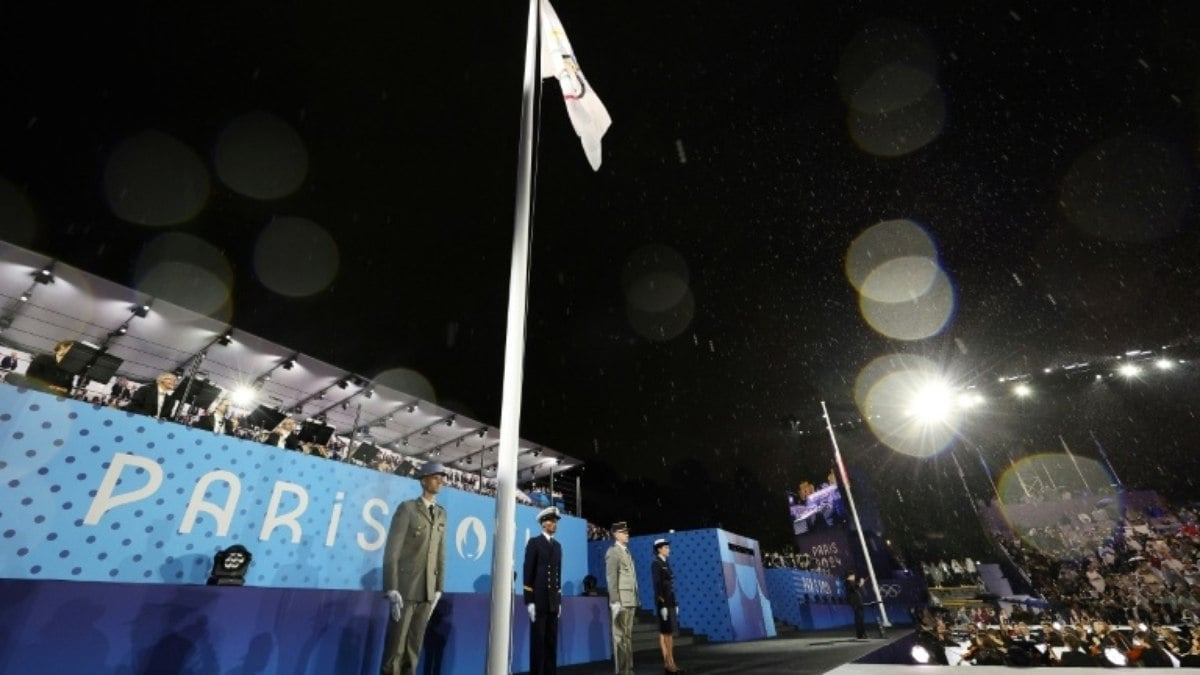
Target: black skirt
(669, 625)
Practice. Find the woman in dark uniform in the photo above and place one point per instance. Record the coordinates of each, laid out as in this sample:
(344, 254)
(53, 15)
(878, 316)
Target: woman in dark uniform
(666, 606)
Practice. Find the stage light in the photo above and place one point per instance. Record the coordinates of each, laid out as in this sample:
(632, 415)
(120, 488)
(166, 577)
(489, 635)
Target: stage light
(1023, 390)
(24, 297)
(920, 654)
(229, 566)
(1164, 364)
(931, 404)
(342, 384)
(412, 408)
(1099, 376)
(288, 365)
(243, 395)
(1129, 370)
(44, 275)
(140, 311)
(450, 421)
(225, 339)
(368, 393)
(483, 432)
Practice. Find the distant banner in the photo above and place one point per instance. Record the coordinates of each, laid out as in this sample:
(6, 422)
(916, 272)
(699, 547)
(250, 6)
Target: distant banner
(92, 493)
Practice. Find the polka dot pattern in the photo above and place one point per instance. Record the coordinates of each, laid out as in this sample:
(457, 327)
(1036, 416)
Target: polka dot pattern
(121, 503)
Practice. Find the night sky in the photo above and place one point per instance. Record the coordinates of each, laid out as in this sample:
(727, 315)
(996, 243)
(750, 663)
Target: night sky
(690, 304)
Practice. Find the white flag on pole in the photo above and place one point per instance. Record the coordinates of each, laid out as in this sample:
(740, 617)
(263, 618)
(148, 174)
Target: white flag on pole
(588, 115)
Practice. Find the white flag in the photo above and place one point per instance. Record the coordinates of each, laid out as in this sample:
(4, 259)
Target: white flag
(587, 113)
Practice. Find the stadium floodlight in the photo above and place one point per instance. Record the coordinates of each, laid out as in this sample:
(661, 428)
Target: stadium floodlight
(932, 403)
(1023, 390)
(243, 395)
(1164, 364)
(1129, 370)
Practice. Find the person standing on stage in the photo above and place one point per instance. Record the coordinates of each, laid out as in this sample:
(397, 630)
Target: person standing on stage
(414, 566)
(665, 603)
(622, 596)
(543, 593)
(854, 597)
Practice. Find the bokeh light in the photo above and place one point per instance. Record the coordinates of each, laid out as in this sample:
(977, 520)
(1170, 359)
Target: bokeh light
(153, 179)
(1130, 188)
(408, 382)
(655, 278)
(187, 271)
(17, 223)
(908, 403)
(260, 155)
(921, 317)
(888, 77)
(665, 325)
(295, 257)
(887, 65)
(1037, 492)
(879, 245)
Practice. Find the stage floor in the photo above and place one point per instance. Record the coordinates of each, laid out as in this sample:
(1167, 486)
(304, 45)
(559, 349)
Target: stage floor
(806, 653)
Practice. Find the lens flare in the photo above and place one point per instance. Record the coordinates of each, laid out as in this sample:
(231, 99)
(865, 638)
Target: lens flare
(1063, 506)
(154, 179)
(908, 404)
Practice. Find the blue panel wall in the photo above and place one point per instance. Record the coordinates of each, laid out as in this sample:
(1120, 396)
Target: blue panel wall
(86, 627)
(94, 494)
(817, 601)
(721, 595)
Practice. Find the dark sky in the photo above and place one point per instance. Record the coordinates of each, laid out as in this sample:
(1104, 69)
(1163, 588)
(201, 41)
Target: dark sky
(1049, 151)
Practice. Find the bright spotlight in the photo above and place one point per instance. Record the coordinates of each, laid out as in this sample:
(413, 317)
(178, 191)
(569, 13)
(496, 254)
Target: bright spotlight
(243, 395)
(1129, 370)
(1164, 364)
(1023, 390)
(920, 654)
(932, 403)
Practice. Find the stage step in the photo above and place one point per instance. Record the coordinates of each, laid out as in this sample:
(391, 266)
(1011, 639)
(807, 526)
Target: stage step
(645, 634)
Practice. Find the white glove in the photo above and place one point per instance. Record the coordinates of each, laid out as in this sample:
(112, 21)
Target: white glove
(397, 603)
(532, 612)
(676, 611)
(663, 613)
(437, 595)
(616, 607)
(560, 611)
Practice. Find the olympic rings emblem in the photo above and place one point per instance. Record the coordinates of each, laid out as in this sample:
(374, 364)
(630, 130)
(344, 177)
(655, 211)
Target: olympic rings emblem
(889, 590)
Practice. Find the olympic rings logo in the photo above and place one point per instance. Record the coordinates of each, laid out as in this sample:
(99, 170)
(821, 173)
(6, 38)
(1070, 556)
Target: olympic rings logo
(889, 590)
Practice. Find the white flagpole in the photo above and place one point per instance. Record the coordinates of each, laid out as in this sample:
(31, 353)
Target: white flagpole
(500, 623)
(862, 539)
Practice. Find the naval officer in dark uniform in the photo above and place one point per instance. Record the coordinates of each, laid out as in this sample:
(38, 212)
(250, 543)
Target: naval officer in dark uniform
(543, 593)
(666, 605)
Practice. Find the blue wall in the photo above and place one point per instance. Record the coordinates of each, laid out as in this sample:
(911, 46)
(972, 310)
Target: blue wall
(816, 601)
(721, 593)
(94, 494)
(87, 627)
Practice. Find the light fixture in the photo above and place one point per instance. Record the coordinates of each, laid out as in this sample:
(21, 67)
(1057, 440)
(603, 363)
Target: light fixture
(243, 395)
(44, 275)
(288, 365)
(229, 566)
(24, 297)
(225, 339)
(1129, 370)
(1164, 364)
(920, 654)
(140, 311)
(483, 432)
(368, 393)
(1023, 390)
(342, 384)
(450, 421)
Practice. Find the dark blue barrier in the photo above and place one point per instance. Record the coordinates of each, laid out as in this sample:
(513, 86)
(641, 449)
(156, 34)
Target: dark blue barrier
(817, 601)
(51, 627)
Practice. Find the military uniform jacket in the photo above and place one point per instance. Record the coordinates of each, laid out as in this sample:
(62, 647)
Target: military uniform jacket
(543, 573)
(621, 577)
(414, 559)
(664, 584)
